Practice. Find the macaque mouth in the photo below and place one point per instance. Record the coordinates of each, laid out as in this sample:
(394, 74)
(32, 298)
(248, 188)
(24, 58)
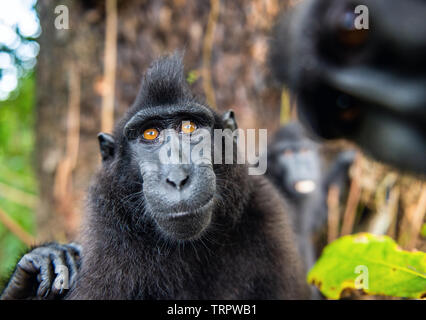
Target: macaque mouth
(186, 225)
(195, 211)
(304, 186)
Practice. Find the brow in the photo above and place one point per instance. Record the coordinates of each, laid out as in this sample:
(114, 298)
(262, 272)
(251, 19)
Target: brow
(168, 112)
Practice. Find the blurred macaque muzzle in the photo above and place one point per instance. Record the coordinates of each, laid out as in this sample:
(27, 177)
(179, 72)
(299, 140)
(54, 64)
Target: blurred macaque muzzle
(305, 186)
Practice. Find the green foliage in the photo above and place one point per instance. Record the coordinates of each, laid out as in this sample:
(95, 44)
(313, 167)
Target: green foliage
(192, 76)
(423, 230)
(372, 263)
(16, 145)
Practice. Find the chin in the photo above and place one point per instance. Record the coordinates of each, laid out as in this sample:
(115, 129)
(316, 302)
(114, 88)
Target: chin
(187, 225)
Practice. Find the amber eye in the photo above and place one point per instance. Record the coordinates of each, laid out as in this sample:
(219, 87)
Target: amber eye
(188, 127)
(150, 134)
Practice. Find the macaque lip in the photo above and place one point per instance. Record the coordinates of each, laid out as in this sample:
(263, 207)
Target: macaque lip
(305, 186)
(186, 225)
(196, 211)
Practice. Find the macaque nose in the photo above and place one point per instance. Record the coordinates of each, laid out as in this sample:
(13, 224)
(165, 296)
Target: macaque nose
(177, 178)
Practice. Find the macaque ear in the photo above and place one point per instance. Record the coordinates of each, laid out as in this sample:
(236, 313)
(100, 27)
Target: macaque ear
(106, 145)
(229, 121)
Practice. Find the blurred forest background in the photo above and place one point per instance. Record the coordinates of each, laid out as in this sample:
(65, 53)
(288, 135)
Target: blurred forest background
(60, 87)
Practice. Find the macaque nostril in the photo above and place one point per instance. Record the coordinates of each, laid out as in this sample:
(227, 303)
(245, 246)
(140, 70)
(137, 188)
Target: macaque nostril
(171, 182)
(184, 181)
(177, 180)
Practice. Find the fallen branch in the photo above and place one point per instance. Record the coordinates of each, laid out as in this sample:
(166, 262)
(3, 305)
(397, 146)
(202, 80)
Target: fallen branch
(333, 213)
(386, 204)
(417, 219)
(18, 196)
(353, 198)
(16, 229)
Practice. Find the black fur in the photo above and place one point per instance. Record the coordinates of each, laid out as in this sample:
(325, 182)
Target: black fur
(247, 252)
(106, 146)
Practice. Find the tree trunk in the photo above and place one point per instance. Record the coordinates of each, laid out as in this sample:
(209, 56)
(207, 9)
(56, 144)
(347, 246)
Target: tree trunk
(231, 47)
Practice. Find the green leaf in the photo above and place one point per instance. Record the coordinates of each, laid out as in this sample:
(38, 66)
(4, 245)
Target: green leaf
(372, 263)
(16, 170)
(423, 230)
(192, 76)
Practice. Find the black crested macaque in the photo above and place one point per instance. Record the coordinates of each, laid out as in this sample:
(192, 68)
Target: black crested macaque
(358, 71)
(296, 168)
(156, 230)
